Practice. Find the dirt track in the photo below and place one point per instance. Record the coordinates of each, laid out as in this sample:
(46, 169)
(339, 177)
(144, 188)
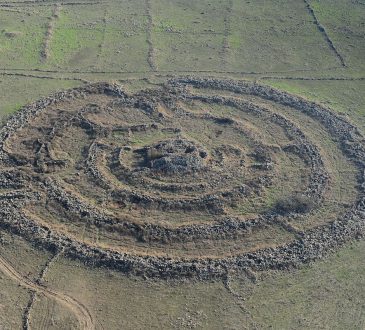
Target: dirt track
(82, 314)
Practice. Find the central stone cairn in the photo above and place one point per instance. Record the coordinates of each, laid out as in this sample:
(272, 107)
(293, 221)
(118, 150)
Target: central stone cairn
(176, 157)
(197, 178)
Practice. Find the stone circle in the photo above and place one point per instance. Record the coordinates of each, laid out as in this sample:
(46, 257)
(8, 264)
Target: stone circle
(192, 179)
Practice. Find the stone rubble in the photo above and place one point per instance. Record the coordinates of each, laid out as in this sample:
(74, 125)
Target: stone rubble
(311, 245)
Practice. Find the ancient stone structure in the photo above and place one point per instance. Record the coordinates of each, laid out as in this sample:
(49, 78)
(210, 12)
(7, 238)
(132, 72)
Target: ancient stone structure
(193, 179)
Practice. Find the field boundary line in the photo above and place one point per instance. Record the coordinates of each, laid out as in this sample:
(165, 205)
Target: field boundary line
(22, 4)
(49, 31)
(43, 77)
(239, 300)
(170, 71)
(323, 31)
(151, 51)
(39, 280)
(102, 43)
(317, 78)
(227, 32)
(25, 75)
(83, 315)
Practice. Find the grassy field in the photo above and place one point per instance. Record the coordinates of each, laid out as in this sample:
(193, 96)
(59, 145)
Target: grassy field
(313, 48)
(324, 295)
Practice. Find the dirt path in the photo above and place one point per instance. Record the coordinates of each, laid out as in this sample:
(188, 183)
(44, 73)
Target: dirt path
(46, 317)
(83, 315)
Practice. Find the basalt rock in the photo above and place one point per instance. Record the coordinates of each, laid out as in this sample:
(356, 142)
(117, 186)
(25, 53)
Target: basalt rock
(168, 193)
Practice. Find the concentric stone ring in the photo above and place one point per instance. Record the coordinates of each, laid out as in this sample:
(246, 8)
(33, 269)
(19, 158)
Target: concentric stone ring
(195, 178)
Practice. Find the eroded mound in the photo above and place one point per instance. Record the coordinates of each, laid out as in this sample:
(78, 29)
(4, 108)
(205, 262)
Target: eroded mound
(195, 178)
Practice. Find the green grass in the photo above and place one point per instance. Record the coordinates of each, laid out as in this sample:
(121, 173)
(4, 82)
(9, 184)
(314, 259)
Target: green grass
(142, 140)
(326, 295)
(65, 40)
(24, 49)
(344, 23)
(286, 38)
(18, 91)
(345, 97)
(189, 16)
(99, 38)
(186, 36)
(72, 45)
(187, 52)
